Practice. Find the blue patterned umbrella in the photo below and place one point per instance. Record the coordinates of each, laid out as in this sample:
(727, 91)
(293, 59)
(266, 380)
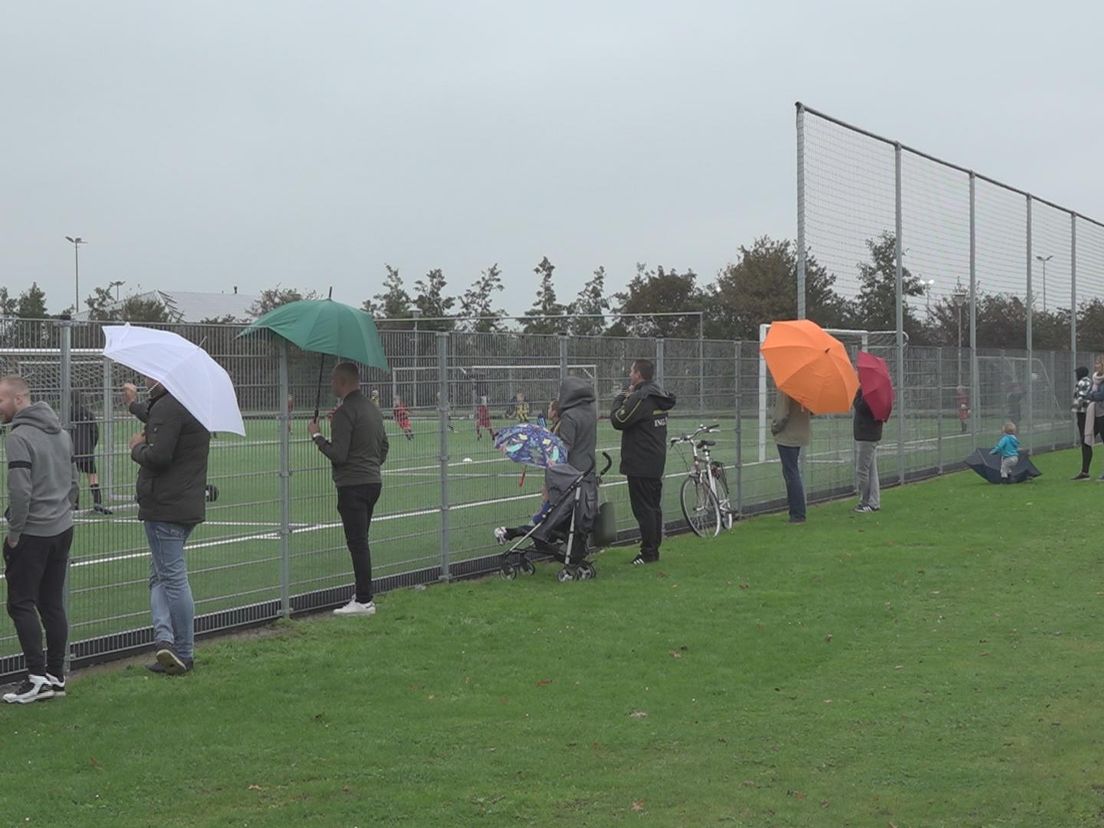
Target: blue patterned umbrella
(531, 445)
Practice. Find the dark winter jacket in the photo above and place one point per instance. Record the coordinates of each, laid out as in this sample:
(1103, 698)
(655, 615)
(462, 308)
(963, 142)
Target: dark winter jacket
(867, 429)
(359, 443)
(172, 474)
(578, 422)
(42, 480)
(641, 417)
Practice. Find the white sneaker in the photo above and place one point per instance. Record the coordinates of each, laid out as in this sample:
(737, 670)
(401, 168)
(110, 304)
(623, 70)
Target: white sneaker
(33, 688)
(500, 535)
(354, 607)
(57, 685)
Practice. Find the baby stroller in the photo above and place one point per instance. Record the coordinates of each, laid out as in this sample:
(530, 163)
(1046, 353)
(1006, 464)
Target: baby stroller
(562, 530)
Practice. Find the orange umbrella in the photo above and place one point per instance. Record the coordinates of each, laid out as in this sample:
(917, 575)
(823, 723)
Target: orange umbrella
(810, 365)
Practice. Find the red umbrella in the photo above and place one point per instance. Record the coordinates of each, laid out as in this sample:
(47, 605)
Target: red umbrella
(877, 387)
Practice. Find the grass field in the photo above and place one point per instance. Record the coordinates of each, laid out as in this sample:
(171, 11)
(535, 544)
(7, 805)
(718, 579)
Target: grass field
(234, 558)
(933, 664)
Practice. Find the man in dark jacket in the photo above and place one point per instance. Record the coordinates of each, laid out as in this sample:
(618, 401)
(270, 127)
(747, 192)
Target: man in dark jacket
(578, 423)
(172, 486)
(640, 414)
(357, 448)
(42, 486)
(868, 433)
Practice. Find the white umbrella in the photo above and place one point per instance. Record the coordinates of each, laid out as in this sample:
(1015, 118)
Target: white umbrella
(187, 371)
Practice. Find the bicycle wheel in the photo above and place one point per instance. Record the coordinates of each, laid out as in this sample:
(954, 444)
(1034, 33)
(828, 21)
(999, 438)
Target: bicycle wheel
(720, 480)
(700, 507)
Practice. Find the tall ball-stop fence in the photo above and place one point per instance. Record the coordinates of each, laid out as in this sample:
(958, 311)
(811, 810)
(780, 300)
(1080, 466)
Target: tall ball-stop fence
(273, 546)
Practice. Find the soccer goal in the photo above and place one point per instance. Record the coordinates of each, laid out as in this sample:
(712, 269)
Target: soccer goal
(879, 343)
(500, 384)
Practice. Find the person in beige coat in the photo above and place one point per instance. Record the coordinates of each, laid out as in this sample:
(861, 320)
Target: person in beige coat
(791, 429)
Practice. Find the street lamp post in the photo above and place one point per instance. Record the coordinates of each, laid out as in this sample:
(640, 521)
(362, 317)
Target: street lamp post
(959, 297)
(76, 241)
(1044, 260)
(927, 285)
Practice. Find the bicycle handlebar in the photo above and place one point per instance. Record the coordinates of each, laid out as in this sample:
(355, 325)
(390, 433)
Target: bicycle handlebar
(686, 438)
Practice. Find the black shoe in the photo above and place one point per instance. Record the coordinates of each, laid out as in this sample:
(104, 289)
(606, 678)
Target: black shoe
(101, 509)
(640, 560)
(1081, 476)
(797, 520)
(156, 668)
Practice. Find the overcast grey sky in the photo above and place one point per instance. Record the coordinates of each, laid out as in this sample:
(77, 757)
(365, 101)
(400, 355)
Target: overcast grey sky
(202, 145)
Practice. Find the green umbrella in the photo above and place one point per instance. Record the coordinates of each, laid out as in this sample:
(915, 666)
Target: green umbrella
(326, 327)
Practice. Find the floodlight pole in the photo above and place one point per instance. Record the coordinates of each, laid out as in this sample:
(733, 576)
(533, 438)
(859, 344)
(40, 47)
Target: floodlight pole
(76, 241)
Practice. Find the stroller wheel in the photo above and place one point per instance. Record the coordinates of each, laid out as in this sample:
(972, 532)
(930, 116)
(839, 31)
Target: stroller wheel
(527, 567)
(587, 571)
(508, 571)
(565, 575)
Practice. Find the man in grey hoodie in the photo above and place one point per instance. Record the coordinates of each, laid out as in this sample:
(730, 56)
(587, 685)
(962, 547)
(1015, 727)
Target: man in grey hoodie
(42, 491)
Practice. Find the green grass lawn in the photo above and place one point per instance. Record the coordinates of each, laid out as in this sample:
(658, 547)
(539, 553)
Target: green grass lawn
(936, 663)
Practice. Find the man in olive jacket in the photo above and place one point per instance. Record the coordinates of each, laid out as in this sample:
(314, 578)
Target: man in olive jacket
(640, 414)
(357, 448)
(172, 486)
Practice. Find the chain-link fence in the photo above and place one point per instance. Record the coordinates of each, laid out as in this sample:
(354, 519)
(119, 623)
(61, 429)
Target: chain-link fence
(273, 545)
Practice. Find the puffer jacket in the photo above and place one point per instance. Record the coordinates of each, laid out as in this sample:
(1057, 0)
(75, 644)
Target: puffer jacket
(172, 474)
(641, 417)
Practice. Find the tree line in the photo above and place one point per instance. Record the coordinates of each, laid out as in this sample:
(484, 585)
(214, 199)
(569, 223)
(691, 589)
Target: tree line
(759, 286)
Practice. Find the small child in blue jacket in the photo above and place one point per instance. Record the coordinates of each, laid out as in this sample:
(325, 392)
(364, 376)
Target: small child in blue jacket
(1008, 447)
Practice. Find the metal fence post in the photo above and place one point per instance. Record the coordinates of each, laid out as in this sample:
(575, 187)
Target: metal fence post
(739, 468)
(902, 382)
(442, 427)
(939, 409)
(65, 412)
(975, 375)
(1053, 396)
(107, 485)
(563, 357)
(701, 367)
(659, 361)
(1030, 418)
(801, 211)
(1073, 287)
(283, 423)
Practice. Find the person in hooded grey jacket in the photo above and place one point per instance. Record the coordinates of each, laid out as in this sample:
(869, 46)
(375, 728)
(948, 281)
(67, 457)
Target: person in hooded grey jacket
(578, 424)
(42, 491)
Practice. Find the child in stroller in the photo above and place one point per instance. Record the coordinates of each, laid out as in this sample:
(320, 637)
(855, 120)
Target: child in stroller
(561, 527)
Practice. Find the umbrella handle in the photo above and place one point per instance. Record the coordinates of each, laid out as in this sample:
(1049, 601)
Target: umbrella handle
(318, 395)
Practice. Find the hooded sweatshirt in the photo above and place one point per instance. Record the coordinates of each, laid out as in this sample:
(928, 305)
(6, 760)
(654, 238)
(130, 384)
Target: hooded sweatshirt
(641, 417)
(42, 480)
(578, 422)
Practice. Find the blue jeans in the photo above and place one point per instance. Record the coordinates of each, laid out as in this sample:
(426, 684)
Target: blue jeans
(170, 594)
(791, 473)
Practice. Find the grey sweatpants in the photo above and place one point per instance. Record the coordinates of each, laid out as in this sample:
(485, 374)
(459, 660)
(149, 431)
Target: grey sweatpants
(866, 474)
(1007, 464)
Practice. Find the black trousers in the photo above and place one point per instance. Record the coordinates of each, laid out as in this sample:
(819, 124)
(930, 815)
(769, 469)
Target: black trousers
(646, 499)
(355, 505)
(35, 571)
